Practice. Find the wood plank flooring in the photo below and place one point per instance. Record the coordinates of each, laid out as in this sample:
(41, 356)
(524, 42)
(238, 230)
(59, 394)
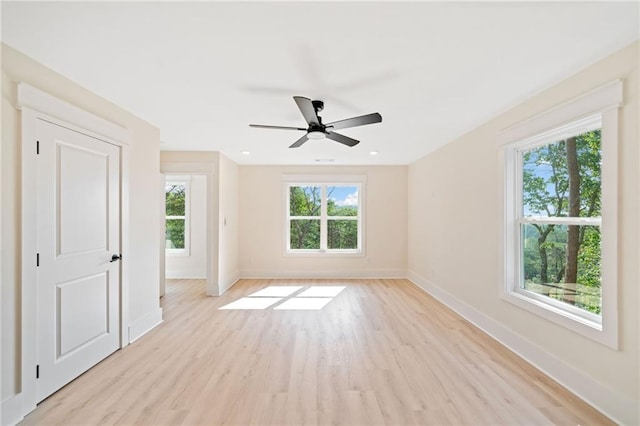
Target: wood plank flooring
(380, 352)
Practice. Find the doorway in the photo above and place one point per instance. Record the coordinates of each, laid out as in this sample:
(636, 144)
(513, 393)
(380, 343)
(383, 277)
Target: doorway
(185, 235)
(78, 261)
(183, 258)
(74, 226)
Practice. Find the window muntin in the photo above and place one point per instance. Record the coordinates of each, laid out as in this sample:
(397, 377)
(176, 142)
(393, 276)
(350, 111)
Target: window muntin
(176, 217)
(559, 221)
(324, 217)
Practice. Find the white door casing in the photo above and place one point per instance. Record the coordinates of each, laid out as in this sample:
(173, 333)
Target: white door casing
(78, 214)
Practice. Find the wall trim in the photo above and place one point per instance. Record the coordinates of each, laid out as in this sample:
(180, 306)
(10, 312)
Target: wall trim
(322, 273)
(36, 99)
(603, 98)
(142, 326)
(230, 283)
(12, 410)
(187, 168)
(608, 401)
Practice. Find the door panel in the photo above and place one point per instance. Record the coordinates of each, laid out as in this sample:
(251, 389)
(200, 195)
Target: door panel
(82, 226)
(82, 312)
(78, 204)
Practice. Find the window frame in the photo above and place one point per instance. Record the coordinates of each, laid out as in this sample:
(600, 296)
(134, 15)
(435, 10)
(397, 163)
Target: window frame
(323, 182)
(186, 182)
(574, 117)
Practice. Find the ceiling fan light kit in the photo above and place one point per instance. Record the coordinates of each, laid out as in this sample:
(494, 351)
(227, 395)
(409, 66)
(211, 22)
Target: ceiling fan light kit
(317, 130)
(316, 135)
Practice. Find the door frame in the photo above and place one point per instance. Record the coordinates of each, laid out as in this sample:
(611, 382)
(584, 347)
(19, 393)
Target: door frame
(208, 170)
(35, 105)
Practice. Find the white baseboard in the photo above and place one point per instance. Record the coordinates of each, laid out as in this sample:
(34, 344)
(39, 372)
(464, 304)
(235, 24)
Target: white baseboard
(338, 273)
(140, 327)
(12, 410)
(618, 407)
(230, 283)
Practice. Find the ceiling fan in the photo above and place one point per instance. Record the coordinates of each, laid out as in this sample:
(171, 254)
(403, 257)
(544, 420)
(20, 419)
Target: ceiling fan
(317, 130)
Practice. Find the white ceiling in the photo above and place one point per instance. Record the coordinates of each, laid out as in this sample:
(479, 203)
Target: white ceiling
(203, 71)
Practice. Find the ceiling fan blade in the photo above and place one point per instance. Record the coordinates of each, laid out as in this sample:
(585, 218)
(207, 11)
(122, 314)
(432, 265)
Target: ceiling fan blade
(299, 142)
(356, 121)
(346, 140)
(307, 110)
(263, 126)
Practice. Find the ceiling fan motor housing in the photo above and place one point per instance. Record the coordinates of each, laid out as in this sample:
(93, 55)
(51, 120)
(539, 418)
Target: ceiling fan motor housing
(317, 106)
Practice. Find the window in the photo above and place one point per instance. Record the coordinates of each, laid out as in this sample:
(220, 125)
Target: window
(177, 214)
(560, 221)
(324, 217)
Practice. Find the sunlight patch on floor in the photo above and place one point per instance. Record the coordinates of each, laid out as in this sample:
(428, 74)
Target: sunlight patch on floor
(276, 291)
(314, 298)
(304, 303)
(322, 291)
(252, 303)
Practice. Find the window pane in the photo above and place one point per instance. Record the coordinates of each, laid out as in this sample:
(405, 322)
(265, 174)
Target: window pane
(174, 234)
(305, 234)
(563, 262)
(563, 179)
(175, 199)
(342, 234)
(304, 201)
(342, 200)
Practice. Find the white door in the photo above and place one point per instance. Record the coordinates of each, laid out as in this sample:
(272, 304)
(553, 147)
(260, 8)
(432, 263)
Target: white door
(78, 205)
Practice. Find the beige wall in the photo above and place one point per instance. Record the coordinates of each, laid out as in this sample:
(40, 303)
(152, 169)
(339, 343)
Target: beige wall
(143, 200)
(454, 202)
(262, 217)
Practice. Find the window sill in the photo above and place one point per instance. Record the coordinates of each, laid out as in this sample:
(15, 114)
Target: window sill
(593, 330)
(177, 253)
(324, 253)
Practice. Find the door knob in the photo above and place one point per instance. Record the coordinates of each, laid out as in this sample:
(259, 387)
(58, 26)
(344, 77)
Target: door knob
(115, 257)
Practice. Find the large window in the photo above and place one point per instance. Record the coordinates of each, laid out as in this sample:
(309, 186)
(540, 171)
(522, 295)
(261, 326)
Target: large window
(177, 217)
(560, 215)
(560, 220)
(324, 217)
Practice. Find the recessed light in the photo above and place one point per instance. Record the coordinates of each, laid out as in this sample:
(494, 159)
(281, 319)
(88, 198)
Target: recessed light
(246, 152)
(374, 153)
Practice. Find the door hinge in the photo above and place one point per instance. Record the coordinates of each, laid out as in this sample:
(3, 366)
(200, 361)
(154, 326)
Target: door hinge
(37, 371)
(37, 259)
(37, 147)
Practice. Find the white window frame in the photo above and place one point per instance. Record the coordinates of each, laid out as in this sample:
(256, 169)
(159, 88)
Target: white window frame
(596, 109)
(323, 182)
(186, 182)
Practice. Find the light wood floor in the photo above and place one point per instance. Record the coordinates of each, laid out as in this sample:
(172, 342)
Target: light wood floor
(381, 352)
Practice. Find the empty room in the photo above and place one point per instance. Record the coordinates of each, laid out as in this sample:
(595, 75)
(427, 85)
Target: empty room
(320, 212)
